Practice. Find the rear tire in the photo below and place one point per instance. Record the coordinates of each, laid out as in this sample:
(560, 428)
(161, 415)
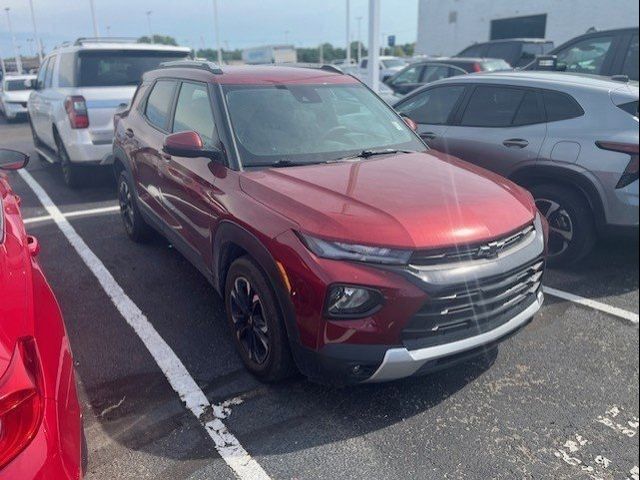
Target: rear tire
(572, 232)
(256, 322)
(134, 224)
(70, 172)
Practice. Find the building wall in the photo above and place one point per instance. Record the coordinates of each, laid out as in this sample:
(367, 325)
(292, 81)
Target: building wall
(445, 27)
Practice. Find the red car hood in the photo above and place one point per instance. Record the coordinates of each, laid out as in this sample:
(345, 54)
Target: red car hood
(420, 200)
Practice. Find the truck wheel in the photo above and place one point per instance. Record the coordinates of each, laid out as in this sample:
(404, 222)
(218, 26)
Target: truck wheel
(137, 229)
(70, 172)
(572, 232)
(256, 322)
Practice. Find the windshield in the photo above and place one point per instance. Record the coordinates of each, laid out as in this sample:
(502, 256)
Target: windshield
(106, 68)
(312, 123)
(394, 62)
(15, 85)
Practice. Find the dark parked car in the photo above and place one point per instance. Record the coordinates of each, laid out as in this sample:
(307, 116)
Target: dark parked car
(339, 243)
(517, 52)
(608, 53)
(572, 140)
(420, 73)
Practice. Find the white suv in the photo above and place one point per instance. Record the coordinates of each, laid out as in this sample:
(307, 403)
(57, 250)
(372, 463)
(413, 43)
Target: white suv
(79, 88)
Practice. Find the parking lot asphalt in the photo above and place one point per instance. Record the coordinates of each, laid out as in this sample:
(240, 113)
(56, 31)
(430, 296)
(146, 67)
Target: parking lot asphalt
(559, 400)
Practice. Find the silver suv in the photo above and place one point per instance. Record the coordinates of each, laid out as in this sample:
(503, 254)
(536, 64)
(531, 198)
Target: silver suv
(79, 87)
(572, 140)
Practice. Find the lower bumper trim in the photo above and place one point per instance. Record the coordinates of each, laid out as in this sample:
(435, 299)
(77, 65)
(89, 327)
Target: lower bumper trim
(400, 362)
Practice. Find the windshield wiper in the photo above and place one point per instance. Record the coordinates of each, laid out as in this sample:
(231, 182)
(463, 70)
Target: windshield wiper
(289, 163)
(372, 153)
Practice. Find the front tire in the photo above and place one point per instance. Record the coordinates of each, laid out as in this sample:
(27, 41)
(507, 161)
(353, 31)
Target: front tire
(137, 229)
(572, 232)
(256, 322)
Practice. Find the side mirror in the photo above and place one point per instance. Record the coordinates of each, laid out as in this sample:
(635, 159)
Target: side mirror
(410, 123)
(12, 159)
(189, 145)
(547, 62)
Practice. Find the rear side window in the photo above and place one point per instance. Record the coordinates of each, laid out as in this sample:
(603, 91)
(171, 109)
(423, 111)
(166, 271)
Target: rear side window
(529, 112)
(409, 75)
(193, 112)
(66, 70)
(159, 103)
(560, 106)
(432, 106)
(507, 51)
(492, 107)
(42, 72)
(48, 76)
(630, 68)
(472, 51)
(630, 107)
(433, 73)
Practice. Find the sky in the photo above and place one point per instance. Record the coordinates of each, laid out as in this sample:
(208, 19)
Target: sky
(243, 23)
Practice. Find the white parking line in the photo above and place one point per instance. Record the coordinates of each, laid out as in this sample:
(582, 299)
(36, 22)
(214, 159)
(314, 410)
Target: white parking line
(79, 213)
(210, 416)
(586, 302)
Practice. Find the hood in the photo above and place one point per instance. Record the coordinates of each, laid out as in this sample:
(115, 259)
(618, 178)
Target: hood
(418, 200)
(17, 96)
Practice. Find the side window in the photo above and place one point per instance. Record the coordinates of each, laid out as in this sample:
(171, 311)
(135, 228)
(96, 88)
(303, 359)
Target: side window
(159, 103)
(585, 56)
(364, 63)
(410, 75)
(529, 53)
(66, 70)
(492, 107)
(42, 72)
(432, 106)
(529, 112)
(48, 76)
(435, 72)
(507, 51)
(630, 67)
(560, 106)
(193, 112)
(455, 71)
(472, 51)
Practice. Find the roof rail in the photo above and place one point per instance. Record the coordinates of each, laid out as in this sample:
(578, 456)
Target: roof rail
(316, 66)
(83, 40)
(199, 64)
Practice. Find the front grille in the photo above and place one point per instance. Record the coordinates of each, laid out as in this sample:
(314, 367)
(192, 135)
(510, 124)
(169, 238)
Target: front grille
(461, 253)
(479, 306)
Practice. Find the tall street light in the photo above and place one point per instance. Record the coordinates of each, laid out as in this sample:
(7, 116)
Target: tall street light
(36, 38)
(93, 19)
(374, 45)
(216, 26)
(359, 39)
(148, 14)
(348, 32)
(16, 53)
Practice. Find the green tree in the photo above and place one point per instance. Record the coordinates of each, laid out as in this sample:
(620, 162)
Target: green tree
(161, 39)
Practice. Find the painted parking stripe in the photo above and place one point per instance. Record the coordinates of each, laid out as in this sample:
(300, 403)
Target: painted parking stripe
(210, 416)
(79, 213)
(586, 302)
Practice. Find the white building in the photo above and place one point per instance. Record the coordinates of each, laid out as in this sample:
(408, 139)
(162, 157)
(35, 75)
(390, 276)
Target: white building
(445, 27)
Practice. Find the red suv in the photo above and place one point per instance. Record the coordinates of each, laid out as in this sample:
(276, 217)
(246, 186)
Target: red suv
(341, 245)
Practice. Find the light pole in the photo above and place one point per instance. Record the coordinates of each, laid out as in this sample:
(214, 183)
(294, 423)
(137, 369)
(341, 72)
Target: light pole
(93, 19)
(36, 38)
(16, 53)
(216, 26)
(359, 39)
(348, 32)
(148, 14)
(108, 30)
(374, 45)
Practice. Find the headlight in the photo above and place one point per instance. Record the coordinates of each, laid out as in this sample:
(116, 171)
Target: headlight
(358, 253)
(346, 301)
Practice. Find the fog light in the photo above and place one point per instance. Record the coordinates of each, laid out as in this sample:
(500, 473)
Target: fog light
(346, 301)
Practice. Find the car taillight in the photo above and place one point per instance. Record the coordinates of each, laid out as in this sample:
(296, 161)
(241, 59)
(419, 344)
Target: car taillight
(21, 401)
(630, 174)
(76, 108)
(477, 67)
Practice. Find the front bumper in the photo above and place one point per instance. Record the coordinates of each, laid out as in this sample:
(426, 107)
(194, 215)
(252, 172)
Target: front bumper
(12, 110)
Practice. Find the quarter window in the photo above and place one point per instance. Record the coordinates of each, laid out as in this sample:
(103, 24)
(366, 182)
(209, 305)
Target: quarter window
(66, 70)
(560, 106)
(159, 103)
(432, 106)
(193, 112)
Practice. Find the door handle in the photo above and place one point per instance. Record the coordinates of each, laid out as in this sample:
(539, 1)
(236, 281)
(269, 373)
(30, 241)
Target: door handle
(516, 143)
(428, 135)
(129, 133)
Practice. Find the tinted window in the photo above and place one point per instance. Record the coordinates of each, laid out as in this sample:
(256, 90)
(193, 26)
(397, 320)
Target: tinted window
(560, 106)
(585, 56)
(41, 73)
(408, 75)
(107, 68)
(66, 70)
(492, 107)
(48, 76)
(507, 51)
(193, 112)
(472, 51)
(159, 103)
(529, 111)
(630, 67)
(15, 85)
(435, 72)
(529, 52)
(432, 106)
(495, 66)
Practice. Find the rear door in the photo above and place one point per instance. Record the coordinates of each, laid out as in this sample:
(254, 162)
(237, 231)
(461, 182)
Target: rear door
(148, 156)
(432, 109)
(48, 97)
(499, 128)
